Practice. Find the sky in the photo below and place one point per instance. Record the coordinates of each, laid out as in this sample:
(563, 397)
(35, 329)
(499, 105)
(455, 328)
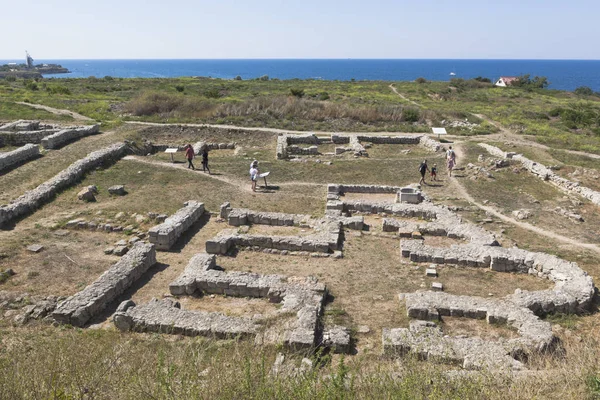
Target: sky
(194, 29)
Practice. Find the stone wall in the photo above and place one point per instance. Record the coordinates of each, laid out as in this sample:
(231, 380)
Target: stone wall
(21, 125)
(166, 316)
(66, 135)
(200, 146)
(546, 174)
(23, 138)
(328, 238)
(78, 309)
(427, 341)
(244, 216)
(301, 296)
(18, 156)
(33, 199)
(340, 189)
(573, 290)
(166, 234)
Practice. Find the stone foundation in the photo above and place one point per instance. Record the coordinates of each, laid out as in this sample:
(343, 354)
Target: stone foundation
(78, 309)
(18, 156)
(546, 174)
(66, 135)
(166, 234)
(33, 199)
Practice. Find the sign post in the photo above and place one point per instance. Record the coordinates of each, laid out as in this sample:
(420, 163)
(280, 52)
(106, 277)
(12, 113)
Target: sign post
(439, 131)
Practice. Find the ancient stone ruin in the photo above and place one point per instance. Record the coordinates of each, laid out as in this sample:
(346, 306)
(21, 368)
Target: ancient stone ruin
(546, 174)
(288, 144)
(78, 309)
(23, 132)
(33, 199)
(16, 157)
(166, 234)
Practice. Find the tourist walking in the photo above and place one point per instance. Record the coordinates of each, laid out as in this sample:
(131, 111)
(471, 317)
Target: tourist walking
(450, 160)
(189, 154)
(254, 174)
(434, 172)
(423, 168)
(205, 161)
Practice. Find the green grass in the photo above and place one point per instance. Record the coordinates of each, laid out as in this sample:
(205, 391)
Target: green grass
(10, 111)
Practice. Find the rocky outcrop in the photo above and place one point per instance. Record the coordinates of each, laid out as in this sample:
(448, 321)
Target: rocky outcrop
(16, 157)
(33, 199)
(166, 234)
(78, 309)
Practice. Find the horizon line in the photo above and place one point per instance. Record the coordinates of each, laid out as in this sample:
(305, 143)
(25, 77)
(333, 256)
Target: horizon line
(309, 59)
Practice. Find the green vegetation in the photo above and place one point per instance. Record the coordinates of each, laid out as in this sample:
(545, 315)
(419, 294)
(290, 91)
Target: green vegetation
(556, 118)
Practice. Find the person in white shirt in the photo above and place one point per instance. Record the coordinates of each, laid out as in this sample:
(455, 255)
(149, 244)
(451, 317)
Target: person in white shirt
(450, 160)
(254, 174)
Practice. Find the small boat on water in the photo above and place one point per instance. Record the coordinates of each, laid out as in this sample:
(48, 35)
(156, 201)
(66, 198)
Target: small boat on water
(452, 74)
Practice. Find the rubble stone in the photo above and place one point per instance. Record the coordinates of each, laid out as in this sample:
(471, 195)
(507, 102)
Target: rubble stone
(166, 234)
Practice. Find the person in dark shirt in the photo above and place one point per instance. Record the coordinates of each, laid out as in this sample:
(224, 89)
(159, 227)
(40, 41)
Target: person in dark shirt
(423, 168)
(205, 161)
(189, 154)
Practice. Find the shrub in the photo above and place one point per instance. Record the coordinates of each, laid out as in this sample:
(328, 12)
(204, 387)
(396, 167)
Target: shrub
(524, 81)
(31, 85)
(10, 78)
(421, 80)
(108, 78)
(179, 88)
(410, 114)
(584, 91)
(297, 92)
(323, 96)
(58, 89)
(264, 78)
(238, 78)
(212, 93)
(482, 79)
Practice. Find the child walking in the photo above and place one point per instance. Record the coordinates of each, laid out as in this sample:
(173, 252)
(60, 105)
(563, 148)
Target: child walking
(434, 172)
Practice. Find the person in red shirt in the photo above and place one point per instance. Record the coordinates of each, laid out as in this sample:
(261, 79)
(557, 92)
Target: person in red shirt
(189, 154)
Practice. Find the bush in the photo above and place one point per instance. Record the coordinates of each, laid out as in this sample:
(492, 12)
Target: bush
(10, 78)
(297, 92)
(58, 89)
(482, 79)
(264, 78)
(411, 115)
(421, 80)
(108, 78)
(323, 96)
(584, 91)
(212, 93)
(525, 82)
(179, 88)
(31, 85)
(238, 78)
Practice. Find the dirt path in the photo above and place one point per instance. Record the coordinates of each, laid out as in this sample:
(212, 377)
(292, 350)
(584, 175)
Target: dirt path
(57, 111)
(403, 96)
(272, 130)
(543, 232)
(518, 139)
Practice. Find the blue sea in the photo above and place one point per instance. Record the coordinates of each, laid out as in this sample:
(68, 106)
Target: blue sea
(562, 74)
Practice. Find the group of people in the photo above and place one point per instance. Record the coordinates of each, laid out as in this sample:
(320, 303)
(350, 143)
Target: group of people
(450, 163)
(190, 154)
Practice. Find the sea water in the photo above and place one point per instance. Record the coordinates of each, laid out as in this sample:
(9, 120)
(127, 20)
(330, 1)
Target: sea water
(562, 74)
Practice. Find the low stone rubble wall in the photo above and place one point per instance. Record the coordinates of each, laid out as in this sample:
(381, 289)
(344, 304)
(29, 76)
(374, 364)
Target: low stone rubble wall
(287, 143)
(427, 341)
(166, 316)
(66, 135)
(340, 189)
(546, 174)
(78, 309)
(244, 216)
(573, 291)
(166, 234)
(200, 146)
(33, 199)
(18, 156)
(26, 137)
(302, 296)
(21, 125)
